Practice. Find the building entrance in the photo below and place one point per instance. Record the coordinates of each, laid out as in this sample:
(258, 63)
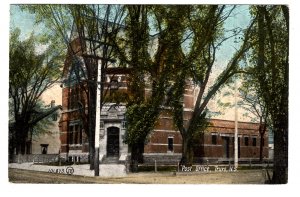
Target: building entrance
(226, 147)
(113, 144)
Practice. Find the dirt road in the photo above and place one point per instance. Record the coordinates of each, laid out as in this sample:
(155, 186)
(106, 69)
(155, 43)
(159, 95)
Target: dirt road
(240, 177)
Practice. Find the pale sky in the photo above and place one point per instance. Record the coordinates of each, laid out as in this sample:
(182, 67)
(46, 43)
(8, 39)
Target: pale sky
(24, 21)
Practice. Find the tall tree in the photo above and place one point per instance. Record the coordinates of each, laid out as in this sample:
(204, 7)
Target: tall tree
(251, 104)
(96, 26)
(87, 31)
(270, 57)
(151, 66)
(206, 24)
(30, 75)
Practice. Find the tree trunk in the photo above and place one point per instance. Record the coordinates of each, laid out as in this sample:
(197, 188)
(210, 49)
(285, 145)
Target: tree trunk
(91, 155)
(136, 157)
(23, 145)
(20, 139)
(262, 131)
(91, 123)
(11, 148)
(187, 151)
(261, 148)
(280, 169)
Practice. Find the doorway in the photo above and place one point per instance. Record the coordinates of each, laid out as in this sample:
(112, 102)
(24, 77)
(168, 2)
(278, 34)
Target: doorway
(225, 147)
(113, 144)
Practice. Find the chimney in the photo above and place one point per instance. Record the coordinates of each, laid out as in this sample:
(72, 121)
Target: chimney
(52, 103)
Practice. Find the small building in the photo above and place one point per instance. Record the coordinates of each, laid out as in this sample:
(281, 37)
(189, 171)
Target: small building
(43, 141)
(48, 142)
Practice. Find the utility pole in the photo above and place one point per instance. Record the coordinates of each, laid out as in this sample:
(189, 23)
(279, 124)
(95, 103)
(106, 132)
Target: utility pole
(98, 114)
(236, 149)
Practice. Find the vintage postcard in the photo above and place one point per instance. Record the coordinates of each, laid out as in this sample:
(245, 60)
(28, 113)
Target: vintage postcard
(148, 94)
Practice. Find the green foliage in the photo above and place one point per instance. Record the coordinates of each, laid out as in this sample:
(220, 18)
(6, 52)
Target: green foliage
(46, 123)
(207, 34)
(198, 125)
(117, 97)
(141, 120)
(57, 22)
(270, 66)
(31, 73)
(269, 60)
(142, 112)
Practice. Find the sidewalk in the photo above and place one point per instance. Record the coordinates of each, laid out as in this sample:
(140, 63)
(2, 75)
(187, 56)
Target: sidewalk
(106, 170)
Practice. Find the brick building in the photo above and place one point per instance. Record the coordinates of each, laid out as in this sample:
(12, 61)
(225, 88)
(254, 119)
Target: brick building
(164, 143)
(216, 144)
(74, 141)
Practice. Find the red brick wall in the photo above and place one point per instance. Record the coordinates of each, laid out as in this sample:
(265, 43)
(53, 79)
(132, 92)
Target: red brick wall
(158, 140)
(188, 101)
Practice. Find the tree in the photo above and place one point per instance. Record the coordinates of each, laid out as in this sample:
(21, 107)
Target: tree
(151, 69)
(205, 23)
(30, 75)
(97, 26)
(92, 29)
(252, 105)
(270, 58)
(170, 65)
(256, 106)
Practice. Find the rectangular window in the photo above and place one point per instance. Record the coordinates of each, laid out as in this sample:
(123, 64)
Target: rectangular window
(254, 141)
(214, 139)
(170, 144)
(71, 135)
(80, 134)
(101, 124)
(54, 116)
(246, 141)
(74, 97)
(44, 148)
(75, 134)
(124, 125)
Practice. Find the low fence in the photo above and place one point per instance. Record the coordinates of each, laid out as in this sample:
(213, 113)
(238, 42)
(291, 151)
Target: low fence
(35, 158)
(216, 161)
(175, 159)
(159, 159)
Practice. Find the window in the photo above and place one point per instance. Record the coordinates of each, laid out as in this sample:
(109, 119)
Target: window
(170, 144)
(44, 148)
(214, 139)
(54, 116)
(74, 97)
(101, 125)
(75, 134)
(75, 74)
(76, 140)
(246, 141)
(254, 141)
(114, 85)
(124, 125)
